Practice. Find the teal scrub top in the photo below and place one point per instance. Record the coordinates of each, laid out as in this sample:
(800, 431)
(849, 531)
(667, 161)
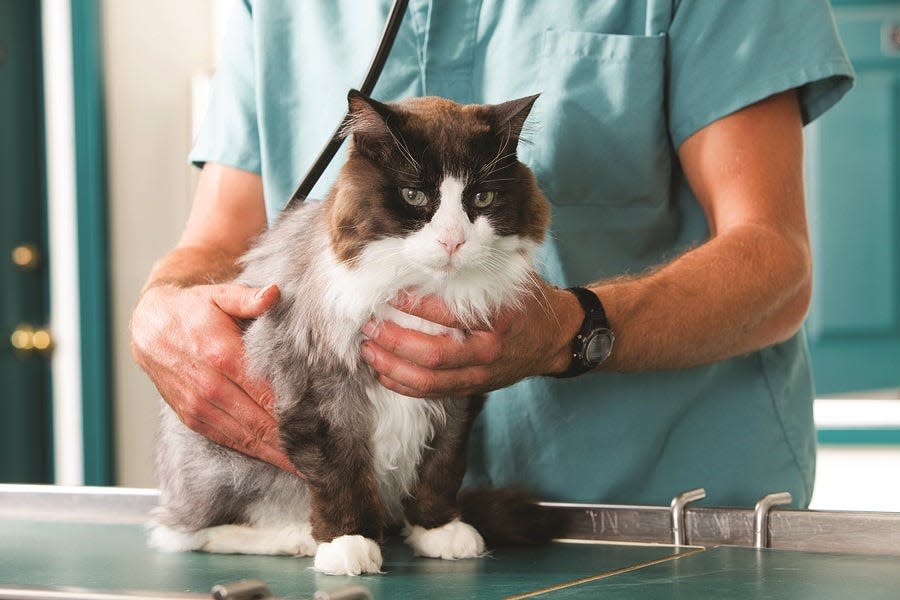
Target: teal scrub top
(623, 83)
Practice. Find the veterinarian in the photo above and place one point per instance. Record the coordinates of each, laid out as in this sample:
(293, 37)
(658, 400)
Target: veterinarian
(667, 138)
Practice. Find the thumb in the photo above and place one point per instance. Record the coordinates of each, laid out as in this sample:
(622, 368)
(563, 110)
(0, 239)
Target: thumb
(242, 302)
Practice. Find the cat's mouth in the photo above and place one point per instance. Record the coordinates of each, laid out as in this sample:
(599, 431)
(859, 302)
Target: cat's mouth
(443, 271)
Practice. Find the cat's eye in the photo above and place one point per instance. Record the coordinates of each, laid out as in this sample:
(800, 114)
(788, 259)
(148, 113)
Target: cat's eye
(413, 196)
(483, 199)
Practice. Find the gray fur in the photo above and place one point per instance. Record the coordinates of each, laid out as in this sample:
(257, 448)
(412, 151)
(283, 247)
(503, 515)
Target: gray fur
(369, 455)
(204, 484)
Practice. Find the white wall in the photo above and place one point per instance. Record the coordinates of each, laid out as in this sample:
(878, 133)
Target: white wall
(151, 52)
(855, 477)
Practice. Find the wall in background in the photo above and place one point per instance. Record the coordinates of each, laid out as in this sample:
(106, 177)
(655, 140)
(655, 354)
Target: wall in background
(151, 50)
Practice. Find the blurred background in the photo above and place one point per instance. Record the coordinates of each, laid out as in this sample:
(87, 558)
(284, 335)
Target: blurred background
(99, 100)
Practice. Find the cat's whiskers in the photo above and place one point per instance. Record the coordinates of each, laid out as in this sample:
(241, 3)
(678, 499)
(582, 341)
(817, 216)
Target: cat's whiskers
(412, 176)
(489, 167)
(497, 180)
(508, 161)
(405, 153)
(537, 291)
(500, 150)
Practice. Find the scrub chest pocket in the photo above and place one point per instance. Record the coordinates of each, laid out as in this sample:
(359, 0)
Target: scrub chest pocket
(600, 126)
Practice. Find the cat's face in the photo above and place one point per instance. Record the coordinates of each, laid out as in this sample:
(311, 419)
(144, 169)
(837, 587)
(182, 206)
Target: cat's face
(436, 187)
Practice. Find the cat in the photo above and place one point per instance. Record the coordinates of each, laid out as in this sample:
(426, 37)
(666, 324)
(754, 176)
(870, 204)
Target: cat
(432, 200)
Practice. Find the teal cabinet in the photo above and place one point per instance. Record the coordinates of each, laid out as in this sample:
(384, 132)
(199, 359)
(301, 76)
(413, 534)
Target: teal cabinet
(853, 196)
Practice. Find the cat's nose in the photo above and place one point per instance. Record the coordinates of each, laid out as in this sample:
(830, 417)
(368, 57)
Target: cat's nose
(451, 243)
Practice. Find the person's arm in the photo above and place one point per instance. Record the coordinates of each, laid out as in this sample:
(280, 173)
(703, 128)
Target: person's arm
(226, 215)
(746, 287)
(185, 331)
(749, 285)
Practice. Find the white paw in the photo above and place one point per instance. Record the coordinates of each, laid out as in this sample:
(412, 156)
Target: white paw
(348, 555)
(453, 540)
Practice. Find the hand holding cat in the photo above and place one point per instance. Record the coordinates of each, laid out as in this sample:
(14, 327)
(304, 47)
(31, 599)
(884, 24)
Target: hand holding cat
(518, 343)
(189, 343)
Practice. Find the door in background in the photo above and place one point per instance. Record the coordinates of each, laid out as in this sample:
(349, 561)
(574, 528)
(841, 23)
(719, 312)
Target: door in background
(25, 410)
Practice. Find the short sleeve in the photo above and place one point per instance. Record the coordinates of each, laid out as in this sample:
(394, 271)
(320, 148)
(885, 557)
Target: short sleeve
(229, 133)
(724, 56)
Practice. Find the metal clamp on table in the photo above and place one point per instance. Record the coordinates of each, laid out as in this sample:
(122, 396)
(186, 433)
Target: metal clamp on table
(679, 503)
(761, 516)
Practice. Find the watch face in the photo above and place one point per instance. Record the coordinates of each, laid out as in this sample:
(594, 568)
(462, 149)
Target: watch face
(598, 346)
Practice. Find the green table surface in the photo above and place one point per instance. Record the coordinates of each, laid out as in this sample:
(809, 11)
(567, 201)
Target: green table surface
(728, 572)
(105, 557)
(110, 557)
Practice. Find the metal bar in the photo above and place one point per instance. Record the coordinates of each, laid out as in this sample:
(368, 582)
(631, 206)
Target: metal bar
(807, 530)
(75, 503)
(246, 589)
(834, 531)
(50, 593)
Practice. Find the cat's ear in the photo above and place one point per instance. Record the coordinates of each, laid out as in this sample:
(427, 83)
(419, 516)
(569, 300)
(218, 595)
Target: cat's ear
(368, 117)
(509, 117)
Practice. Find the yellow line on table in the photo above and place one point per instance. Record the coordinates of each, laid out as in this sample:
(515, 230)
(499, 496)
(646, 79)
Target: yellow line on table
(634, 567)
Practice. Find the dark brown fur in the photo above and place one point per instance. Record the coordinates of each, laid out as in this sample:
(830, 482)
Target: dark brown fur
(477, 143)
(433, 501)
(307, 344)
(331, 455)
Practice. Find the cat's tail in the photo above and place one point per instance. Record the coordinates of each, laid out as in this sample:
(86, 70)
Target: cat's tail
(510, 517)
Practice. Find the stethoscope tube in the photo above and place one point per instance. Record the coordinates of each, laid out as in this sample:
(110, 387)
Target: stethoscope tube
(375, 67)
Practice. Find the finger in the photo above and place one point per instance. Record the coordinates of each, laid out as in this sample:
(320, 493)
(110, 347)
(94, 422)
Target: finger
(246, 427)
(399, 388)
(392, 385)
(229, 359)
(258, 389)
(430, 308)
(223, 429)
(232, 435)
(435, 351)
(242, 302)
(423, 382)
(254, 423)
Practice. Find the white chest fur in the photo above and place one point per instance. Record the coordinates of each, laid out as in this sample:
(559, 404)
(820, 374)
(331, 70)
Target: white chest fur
(402, 427)
(492, 271)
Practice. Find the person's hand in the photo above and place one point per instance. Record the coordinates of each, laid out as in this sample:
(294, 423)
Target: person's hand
(518, 343)
(188, 340)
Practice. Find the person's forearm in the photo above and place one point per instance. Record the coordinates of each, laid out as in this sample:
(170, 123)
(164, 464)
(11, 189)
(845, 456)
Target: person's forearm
(227, 215)
(739, 292)
(186, 266)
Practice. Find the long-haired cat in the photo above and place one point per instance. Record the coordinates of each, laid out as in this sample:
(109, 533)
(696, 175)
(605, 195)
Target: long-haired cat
(432, 200)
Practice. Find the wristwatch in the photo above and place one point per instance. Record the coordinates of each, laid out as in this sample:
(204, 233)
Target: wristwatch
(594, 341)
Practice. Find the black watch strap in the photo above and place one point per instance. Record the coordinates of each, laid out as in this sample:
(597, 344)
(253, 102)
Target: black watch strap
(594, 320)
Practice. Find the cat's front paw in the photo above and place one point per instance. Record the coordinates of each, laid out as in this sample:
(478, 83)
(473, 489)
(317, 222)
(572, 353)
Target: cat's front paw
(348, 555)
(451, 541)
